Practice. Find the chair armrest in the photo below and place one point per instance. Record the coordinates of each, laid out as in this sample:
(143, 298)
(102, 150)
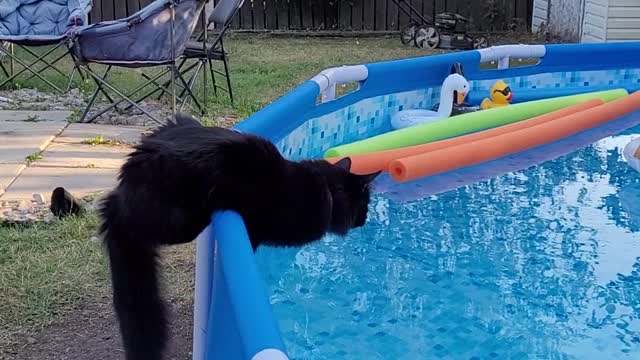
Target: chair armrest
(86, 6)
(79, 12)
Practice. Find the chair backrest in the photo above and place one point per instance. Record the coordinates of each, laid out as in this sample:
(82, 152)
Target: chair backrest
(224, 10)
(41, 17)
(141, 39)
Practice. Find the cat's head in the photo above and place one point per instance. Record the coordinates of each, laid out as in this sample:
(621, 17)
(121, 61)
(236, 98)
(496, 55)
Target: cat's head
(350, 194)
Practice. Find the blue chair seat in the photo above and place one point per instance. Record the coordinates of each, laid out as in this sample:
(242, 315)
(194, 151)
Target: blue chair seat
(32, 23)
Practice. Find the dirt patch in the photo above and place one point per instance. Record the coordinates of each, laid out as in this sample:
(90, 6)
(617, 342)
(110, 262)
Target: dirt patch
(92, 333)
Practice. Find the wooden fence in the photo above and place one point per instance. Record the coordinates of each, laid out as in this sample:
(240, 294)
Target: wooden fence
(347, 15)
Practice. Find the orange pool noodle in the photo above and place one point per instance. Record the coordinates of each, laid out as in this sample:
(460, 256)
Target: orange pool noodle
(379, 160)
(442, 160)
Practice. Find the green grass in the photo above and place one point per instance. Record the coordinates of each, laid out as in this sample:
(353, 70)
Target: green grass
(46, 269)
(263, 68)
(33, 157)
(99, 140)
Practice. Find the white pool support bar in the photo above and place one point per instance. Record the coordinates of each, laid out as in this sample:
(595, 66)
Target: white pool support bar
(503, 53)
(328, 79)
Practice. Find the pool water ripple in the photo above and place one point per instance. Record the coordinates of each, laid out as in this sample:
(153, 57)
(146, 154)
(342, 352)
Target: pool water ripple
(541, 263)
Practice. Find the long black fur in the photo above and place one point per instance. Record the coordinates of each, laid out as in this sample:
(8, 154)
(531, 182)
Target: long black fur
(183, 172)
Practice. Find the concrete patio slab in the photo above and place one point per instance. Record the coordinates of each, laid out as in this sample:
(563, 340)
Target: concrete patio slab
(21, 139)
(8, 172)
(76, 133)
(81, 155)
(34, 116)
(43, 180)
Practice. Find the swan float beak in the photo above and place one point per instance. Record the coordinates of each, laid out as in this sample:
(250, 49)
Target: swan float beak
(461, 97)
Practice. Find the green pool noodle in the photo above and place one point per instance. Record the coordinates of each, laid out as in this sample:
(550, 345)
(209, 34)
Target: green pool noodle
(467, 123)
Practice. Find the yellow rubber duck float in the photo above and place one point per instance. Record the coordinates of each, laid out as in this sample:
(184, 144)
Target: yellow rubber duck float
(501, 95)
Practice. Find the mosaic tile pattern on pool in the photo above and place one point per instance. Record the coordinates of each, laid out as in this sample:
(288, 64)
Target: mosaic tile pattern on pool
(358, 121)
(621, 77)
(542, 263)
(371, 117)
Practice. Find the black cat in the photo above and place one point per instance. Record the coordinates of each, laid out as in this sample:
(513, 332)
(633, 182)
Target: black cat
(64, 204)
(183, 172)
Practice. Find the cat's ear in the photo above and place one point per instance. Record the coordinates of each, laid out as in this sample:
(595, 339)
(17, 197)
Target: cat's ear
(183, 119)
(344, 163)
(368, 179)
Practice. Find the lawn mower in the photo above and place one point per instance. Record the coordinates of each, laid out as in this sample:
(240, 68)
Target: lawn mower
(448, 32)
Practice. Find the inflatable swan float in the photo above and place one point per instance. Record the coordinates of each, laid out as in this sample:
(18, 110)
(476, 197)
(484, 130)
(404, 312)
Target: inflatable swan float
(631, 154)
(453, 83)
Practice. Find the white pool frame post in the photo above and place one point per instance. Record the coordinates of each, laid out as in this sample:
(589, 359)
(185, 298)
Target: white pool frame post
(328, 79)
(502, 54)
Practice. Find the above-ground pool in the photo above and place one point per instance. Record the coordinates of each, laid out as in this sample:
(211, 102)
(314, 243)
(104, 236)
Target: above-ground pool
(535, 255)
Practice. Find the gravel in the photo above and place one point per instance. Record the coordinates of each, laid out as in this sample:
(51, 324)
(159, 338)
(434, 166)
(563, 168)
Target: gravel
(74, 100)
(24, 212)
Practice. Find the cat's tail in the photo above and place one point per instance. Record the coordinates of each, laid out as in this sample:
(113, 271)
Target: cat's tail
(136, 293)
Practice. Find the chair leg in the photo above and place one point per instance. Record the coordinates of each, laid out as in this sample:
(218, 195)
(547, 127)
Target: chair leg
(226, 69)
(197, 65)
(187, 87)
(4, 70)
(228, 76)
(12, 69)
(95, 93)
(27, 67)
(124, 97)
(163, 89)
(3, 46)
(159, 87)
(73, 71)
(100, 88)
(213, 78)
(172, 8)
(47, 63)
(204, 84)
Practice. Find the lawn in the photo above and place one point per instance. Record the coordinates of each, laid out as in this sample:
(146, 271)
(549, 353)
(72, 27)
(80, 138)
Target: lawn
(48, 270)
(264, 68)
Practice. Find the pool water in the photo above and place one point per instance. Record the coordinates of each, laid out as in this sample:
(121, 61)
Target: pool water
(540, 263)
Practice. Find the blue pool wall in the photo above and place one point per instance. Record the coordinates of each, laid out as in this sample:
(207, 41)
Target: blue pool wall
(238, 321)
(301, 128)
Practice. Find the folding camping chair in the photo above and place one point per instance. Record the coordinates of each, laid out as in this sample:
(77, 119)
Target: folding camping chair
(205, 52)
(38, 23)
(154, 36)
